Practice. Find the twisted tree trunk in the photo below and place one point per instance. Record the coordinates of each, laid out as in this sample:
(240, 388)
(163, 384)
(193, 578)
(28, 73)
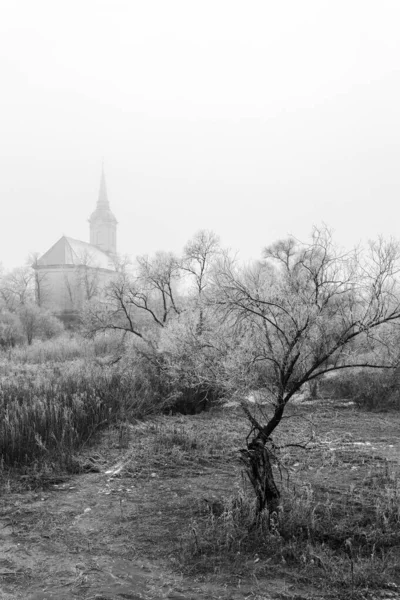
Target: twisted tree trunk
(257, 459)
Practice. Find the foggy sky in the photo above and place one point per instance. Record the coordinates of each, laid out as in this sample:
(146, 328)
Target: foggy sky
(251, 118)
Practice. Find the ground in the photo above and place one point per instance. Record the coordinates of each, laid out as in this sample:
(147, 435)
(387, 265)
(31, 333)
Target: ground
(120, 530)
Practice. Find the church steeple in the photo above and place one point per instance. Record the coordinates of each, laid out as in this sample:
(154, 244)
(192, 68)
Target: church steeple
(103, 224)
(102, 201)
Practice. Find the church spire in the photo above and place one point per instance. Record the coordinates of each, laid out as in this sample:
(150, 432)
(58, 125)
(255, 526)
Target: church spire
(102, 201)
(103, 223)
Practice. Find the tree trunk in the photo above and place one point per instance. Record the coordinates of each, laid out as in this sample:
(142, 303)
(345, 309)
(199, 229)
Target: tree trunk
(257, 459)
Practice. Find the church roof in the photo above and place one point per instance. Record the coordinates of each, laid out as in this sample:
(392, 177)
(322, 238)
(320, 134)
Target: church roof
(70, 252)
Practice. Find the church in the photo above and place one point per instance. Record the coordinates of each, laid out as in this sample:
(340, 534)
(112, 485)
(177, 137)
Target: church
(72, 272)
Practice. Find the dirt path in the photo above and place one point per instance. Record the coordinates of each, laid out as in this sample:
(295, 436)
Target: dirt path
(104, 538)
(54, 544)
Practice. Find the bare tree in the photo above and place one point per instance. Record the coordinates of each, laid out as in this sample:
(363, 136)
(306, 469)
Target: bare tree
(87, 276)
(71, 286)
(198, 258)
(39, 279)
(304, 307)
(16, 287)
(141, 303)
(83, 281)
(157, 279)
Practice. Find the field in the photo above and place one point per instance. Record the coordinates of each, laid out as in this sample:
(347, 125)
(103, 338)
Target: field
(161, 509)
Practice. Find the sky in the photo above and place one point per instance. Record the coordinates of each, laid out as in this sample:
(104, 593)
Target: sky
(252, 118)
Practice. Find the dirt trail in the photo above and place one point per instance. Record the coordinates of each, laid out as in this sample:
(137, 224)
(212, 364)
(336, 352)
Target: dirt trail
(53, 545)
(88, 538)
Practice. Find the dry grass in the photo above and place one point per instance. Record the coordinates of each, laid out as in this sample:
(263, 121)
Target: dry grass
(173, 492)
(346, 544)
(64, 348)
(49, 410)
(340, 521)
(340, 524)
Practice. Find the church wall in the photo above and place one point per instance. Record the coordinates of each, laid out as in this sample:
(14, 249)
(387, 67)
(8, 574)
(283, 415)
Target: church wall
(66, 288)
(59, 288)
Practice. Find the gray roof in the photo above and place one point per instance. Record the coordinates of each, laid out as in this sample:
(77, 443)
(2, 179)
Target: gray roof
(70, 252)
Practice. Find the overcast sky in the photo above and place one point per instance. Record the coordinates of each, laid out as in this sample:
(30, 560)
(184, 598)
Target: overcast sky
(255, 119)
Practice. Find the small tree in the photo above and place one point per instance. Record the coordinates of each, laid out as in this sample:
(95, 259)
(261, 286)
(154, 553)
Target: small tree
(198, 256)
(17, 287)
(303, 309)
(39, 278)
(37, 322)
(198, 259)
(87, 276)
(10, 329)
(156, 286)
(140, 304)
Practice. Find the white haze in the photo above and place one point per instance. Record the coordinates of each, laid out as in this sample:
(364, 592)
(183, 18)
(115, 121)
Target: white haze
(251, 118)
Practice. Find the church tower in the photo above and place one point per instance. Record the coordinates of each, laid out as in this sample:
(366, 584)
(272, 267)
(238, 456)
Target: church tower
(103, 224)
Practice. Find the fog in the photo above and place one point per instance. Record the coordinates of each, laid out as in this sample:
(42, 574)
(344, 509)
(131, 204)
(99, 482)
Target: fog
(254, 119)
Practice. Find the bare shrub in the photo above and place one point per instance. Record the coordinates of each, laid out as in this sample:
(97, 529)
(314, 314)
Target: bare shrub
(371, 390)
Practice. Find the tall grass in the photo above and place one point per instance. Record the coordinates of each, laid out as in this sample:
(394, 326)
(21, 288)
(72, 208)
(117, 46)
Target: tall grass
(55, 395)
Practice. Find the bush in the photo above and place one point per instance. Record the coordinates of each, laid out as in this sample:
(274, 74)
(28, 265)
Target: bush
(38, 323)
(373, 389)
(50, 326)
(189, 364)
(193, 400)
(10, 330)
